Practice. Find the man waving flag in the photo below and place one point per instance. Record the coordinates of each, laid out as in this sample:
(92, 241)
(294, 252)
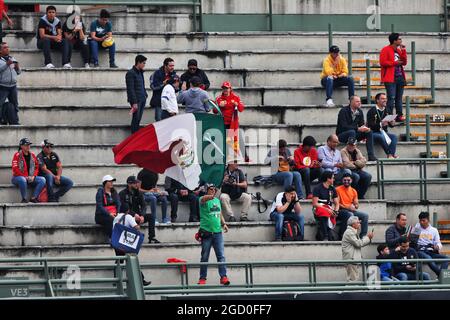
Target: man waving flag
(187, 148)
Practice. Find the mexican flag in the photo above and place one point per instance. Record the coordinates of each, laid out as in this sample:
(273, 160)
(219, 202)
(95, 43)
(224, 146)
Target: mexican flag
(187, 148)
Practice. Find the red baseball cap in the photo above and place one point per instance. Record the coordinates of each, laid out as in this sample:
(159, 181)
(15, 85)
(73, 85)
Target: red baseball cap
(226, 84)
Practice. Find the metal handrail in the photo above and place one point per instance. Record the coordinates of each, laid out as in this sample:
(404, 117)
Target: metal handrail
(422, 180)
(311, 285)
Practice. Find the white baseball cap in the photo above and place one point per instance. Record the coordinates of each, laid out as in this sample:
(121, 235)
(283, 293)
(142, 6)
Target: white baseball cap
(108, 178)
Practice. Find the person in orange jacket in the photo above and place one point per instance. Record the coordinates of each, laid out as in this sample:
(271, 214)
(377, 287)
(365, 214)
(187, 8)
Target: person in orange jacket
(227, 103)
(25, 169)
(393, 58)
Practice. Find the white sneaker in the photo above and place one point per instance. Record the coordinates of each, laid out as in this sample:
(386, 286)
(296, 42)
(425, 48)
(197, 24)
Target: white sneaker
(330, 103)
(87, 66)
(67, 66)
(50, 66)
(156, 222)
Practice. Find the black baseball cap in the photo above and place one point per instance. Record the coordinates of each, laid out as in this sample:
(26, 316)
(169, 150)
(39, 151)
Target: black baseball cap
(192, 62)
(25, 141)
(334, 49)
(46, 143)
(132, 179)
(352, 141)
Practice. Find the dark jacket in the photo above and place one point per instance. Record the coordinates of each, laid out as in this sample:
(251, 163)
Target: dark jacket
(132, 202)
(374, 118)
(187, 76)
(157, 85)
(135, 86)
(100, 202)
(393, 236)
(173, 186)
(401, 267)
(345, 121)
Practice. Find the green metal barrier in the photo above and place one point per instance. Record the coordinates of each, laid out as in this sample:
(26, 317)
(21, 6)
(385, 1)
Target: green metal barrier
(428, 135)
(422, 180)
(196, 18)
(51, 284)
(330, 35)
(249, 285)
(446, 15)
(408, 119)
(368, 82)
(433, 80)
(413, 62)
(349, 57)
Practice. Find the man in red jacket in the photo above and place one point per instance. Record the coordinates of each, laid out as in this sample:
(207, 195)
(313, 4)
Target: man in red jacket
(25, 169)
(393, 58)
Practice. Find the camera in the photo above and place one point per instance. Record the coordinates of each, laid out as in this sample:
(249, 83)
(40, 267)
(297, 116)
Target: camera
(231, 179)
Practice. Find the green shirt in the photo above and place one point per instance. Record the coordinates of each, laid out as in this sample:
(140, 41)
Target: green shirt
(210, 215)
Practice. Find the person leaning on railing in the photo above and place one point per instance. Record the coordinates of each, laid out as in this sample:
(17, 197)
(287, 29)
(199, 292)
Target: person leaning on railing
(351, 246)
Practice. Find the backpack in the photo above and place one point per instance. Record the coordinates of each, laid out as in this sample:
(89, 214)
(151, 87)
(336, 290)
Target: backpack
(266, 181)
(291, 231)
(9, 114)
(43, 196)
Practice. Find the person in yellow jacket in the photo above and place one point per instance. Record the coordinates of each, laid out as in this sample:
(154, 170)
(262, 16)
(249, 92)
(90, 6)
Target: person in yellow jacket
(335, 74)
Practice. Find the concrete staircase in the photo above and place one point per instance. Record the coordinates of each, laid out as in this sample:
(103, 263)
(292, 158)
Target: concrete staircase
(277, 75)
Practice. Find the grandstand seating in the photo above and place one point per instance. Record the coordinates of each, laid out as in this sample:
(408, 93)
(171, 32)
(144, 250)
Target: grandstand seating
(84, 113)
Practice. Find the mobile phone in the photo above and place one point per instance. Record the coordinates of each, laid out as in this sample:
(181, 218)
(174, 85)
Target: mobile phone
(373, 230)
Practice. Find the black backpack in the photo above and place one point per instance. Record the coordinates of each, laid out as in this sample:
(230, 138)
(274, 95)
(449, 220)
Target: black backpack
(291, 231)
(9, 114)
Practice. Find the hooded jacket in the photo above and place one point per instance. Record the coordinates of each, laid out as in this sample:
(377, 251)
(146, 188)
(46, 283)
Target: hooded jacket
(19, 165)
(352, 244)
(8, 74)
(195, 100)
(388, 63)
(228, 110)
(334, 67)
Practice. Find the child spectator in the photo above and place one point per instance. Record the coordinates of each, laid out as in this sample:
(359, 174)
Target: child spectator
(386, 269)
(169, 104)
(101, 37)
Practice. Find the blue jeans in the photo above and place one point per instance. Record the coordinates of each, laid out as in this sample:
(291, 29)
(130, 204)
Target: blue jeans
(308, 176)
(388, 149)
(403, 276)
(287, 178)
(361, 182)
(329, 84)
(46, 45)
(394, 92)
(153, 199)
(215, 241)
(343, 137)
(158, 113)
(11, 94)
(21, 182)
(65, 185)
(137, 116)
(434, 265)
(94, 46)
(344, 215)
(389, 279)
(279, 219)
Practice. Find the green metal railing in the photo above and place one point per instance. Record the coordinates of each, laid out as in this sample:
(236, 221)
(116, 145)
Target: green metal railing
(446, 14)
(249, 284)
(49, 283)
(196, 17)
(423, 180)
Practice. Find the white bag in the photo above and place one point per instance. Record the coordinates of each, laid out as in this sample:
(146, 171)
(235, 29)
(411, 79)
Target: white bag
(386, 137)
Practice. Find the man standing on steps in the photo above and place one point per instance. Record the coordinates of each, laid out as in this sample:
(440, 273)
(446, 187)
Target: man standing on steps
(159, 79)
(335, 74)
(211, 224)
(379, 126)
(352, 244)
(49, 36)
(393, 58)
(9, 69)
(136, 93)
(351, 124)
(50, 167)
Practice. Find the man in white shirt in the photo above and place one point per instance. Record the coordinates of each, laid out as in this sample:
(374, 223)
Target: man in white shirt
(131, 222)
(429, 244)
(169, 104)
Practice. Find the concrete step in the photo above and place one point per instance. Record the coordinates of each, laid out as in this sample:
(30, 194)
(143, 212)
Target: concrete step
(249, 40)
(227, 58)
(114, 134)
(238, 77)
(256, 95)
(119, 114)
(102, 153)
(93, 173)
(413, 208)
(178, 232)
(82, 213)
